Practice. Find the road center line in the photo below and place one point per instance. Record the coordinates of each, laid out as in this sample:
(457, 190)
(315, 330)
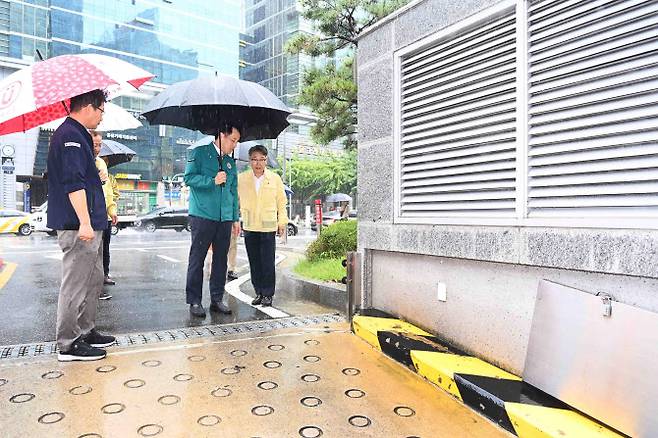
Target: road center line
(169, 259)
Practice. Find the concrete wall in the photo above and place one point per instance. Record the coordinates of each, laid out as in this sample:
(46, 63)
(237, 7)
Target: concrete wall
(491, 272)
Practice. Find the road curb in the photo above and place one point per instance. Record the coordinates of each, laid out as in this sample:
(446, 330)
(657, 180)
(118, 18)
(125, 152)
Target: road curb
(504, 398)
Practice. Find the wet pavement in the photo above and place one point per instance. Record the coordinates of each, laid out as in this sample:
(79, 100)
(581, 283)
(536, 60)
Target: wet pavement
(297, 382)
(150, 293)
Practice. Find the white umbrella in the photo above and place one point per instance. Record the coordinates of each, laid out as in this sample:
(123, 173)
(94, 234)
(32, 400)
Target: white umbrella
(115, 118)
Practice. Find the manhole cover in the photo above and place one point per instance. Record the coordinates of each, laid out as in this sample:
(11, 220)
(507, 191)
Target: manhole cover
(21, 398)
(262, 410)
(221, 392)
(354, 393)
(310, 377)
(267, 385)
(310, 432)
(80, 390)
(113, 408)
(276, 347)
(52, 375)
(134, 383)
(209, 420)
(312, 358)
(183, 377)
(404, 411)
(359, 421)
(311, 402)
(51, 417)
(272, 364)
(238, 353)
(351, 371)
(169, 400)
(150, 430)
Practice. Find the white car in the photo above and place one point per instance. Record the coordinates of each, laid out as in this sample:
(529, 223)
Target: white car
(39, 217)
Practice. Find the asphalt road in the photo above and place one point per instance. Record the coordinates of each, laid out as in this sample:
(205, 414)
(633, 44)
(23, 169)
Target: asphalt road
(149, 269)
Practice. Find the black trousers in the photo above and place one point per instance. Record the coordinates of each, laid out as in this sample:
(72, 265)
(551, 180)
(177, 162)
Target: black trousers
(107, 235)
(205, 233)
(261, 249)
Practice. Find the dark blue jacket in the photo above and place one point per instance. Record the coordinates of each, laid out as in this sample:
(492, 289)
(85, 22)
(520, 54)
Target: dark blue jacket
(71, 168)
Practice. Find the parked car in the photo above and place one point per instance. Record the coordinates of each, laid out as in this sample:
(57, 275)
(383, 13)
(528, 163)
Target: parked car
(40, 217)
(332, 216)
(163, 217)
(15, 221)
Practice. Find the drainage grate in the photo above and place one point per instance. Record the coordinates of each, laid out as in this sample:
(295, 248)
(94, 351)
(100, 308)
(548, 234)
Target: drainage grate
(261, 326)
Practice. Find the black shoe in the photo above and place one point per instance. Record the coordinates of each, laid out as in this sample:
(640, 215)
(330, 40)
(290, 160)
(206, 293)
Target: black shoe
(197, 310)
(257, 300)
(104, 296)
(231, 275)
(108, 281)
(80, 350)
(218, 306)
(95, 339)
(267, 301)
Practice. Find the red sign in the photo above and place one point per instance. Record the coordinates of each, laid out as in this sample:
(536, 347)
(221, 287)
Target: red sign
(318, 212)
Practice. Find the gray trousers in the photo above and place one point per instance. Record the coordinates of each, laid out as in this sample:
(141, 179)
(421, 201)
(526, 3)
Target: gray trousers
(82, 281)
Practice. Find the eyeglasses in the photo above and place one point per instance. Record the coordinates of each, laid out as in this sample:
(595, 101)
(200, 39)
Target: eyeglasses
(100, 109)
(259, 160)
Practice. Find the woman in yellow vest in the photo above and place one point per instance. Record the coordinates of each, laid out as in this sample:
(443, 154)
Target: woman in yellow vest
(263, 213)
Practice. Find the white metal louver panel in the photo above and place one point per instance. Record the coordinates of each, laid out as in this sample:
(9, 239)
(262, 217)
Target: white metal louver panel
(458, 124)
(593, 118)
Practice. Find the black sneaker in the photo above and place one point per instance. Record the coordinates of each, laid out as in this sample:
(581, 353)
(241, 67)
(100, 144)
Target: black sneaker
(257, 300)
(231, 275)
(80, 350)
(95, 339)
(104, 296)
(218, 306)
(197, 310)
(267, 301)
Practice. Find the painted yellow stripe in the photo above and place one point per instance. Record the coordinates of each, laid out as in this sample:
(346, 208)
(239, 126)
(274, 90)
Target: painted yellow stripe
(6, 226)
(440, 369)
(367, 327)
(532, 421)
(6, 273)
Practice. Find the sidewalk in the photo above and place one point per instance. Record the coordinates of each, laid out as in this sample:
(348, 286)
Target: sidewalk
(311, 381)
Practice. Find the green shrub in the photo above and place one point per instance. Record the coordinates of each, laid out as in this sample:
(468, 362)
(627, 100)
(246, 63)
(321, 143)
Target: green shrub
(334, 241)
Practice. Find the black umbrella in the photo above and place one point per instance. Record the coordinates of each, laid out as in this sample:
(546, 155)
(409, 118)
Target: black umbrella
(204, 103)
(241, 152)
(115, 152)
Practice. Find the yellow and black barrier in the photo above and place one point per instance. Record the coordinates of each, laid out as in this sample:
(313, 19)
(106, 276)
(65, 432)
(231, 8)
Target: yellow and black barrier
(504, 398)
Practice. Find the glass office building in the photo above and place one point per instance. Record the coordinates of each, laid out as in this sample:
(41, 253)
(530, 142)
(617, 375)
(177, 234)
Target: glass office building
(176, 40)
(269, 24)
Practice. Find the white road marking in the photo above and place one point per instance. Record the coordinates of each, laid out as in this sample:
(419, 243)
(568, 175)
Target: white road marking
(169, 259)
(58, 256)
(233, 289)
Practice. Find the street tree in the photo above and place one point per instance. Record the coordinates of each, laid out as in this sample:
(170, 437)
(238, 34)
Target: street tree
(324, 175)
(330, 91)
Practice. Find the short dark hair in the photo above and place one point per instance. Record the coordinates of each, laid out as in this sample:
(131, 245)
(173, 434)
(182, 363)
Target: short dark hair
(95, 133)
(258, 148)
(226, 128)
(95, 98)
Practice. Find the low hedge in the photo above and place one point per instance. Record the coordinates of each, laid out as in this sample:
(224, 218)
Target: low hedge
(334, 241)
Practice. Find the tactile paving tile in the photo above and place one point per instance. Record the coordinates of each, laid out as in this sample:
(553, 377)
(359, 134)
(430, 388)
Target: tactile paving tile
(304, 382)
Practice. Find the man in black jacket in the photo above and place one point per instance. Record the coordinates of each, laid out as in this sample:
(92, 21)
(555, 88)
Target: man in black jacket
(76, 209)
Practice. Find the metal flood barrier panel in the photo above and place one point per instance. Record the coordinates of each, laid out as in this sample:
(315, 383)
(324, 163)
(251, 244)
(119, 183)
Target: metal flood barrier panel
(597, 355)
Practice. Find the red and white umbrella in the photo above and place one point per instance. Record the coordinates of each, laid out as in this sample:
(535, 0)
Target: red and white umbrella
(33, 96)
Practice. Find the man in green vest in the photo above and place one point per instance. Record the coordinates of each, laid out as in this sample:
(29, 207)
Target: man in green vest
(212, 177)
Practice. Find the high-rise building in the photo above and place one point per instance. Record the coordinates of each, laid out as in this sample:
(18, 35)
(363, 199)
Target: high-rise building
(176, 40)
(269, 24)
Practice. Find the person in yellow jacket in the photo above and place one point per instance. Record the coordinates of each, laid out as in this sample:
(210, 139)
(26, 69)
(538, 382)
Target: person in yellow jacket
(263, 214)
(111, 194)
